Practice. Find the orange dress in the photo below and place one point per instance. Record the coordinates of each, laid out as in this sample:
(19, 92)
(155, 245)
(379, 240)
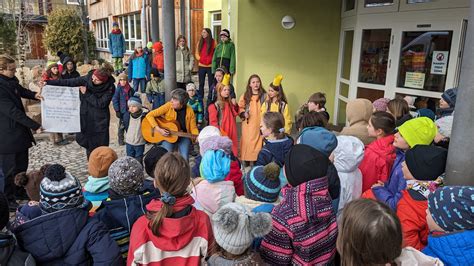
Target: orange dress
(225, 121)
(251, 139)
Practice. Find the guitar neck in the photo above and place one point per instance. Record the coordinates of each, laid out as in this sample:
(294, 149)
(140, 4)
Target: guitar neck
(182, 134)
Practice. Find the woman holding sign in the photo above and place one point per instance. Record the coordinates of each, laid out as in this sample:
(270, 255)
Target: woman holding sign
(97, 89)
(15, 128)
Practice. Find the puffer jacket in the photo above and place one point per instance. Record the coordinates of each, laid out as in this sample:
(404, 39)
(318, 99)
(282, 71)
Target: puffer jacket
(274, 151)
(358, 113)
(11, 254)
(454, 248)
(68, 237)
(210, 197)
(184, 65)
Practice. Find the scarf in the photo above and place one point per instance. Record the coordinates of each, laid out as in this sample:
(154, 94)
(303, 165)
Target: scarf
(137, 114)
(117, 31)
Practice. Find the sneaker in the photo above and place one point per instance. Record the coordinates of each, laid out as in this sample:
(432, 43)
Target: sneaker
(63, 142)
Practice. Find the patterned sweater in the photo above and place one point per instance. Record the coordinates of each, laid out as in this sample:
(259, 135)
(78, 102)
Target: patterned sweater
(304, 227)
(197, 108)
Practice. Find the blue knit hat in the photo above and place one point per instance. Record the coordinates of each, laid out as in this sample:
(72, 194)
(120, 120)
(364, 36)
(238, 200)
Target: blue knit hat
(450, 96)
(425, 112)
(135, 100)
(262, 183)
(452, 208)
(215, 166)
(319, 138)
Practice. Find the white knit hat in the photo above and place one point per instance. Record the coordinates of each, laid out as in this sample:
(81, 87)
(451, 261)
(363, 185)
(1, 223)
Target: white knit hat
(209, 131)
(235, 226)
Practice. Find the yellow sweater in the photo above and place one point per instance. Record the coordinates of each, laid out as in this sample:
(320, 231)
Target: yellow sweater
(285, 112)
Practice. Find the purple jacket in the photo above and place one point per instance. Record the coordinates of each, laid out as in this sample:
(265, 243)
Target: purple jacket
(391, 192)
(304, 228)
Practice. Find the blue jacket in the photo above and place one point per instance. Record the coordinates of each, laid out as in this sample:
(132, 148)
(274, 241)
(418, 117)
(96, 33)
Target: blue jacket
(138, 67)
(119, 215)
(116, 45)
(452, 248)
(68, 237)
(274, 151)
(391, 192)
(119, 101)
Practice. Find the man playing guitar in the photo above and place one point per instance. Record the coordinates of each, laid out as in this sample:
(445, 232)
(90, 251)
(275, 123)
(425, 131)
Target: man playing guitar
(176, 110)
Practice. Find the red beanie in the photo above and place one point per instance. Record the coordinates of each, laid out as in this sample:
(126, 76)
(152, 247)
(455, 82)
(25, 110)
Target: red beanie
(101, 75)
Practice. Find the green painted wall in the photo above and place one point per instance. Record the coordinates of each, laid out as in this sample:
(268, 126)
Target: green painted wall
(210, 6)
(306, 55)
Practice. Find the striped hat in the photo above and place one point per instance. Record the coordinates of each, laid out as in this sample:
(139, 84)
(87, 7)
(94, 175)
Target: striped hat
(59, 190)
(262, 183)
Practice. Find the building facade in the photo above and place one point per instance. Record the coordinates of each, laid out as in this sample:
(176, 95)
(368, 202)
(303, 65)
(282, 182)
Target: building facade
(348, 49)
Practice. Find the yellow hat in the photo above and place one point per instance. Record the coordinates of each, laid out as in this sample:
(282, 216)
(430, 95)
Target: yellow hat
(277, 80)
(226, 80)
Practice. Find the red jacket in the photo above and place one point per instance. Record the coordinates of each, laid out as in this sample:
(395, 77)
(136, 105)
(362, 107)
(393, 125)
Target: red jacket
(158, 59)
(181, 241)
(205, 59)
(224, 119)
(412, 215)
(378, 160)
(235, 175)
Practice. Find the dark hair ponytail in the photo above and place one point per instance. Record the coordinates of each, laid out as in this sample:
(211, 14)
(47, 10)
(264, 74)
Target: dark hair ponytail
(384, 121)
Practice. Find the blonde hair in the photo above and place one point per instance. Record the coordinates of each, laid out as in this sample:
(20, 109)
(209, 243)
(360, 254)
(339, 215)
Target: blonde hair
(173, 176)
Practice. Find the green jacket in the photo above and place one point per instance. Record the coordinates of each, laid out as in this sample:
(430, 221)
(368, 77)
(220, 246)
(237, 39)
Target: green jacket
(155, 86)
(226, 51)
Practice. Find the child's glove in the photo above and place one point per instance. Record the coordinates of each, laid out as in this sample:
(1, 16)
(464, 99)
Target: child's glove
(118, 114)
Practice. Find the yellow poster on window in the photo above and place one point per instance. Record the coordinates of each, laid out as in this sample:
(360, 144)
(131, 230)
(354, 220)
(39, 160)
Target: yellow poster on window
(415, 80)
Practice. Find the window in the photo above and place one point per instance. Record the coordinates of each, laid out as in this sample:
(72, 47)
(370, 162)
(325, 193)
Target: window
(417, 1)
(349, 5)
(377, 3)
(102, 33)
(424, 58)
(131, 29)
(75, 2)
(374, 56)
(216, 24)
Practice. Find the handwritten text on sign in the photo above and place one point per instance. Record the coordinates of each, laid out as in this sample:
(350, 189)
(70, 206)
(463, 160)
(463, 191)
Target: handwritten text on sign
(60, 109)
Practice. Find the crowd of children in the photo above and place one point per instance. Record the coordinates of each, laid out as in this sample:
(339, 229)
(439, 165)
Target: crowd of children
(372, 194)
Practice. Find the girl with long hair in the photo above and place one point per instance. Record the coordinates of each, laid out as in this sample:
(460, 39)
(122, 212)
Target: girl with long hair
(204, 54)
(184, 63)
(276, 102)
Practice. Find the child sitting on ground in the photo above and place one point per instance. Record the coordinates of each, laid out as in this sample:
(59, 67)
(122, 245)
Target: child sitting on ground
(194, 103)
(64, 233)
(450, 218)
(155, 89)
(380, 154)
(235, 228)
(213, 192)
(370, 234)
(97, 185)
(172, 232)
(126, 202)
(416, 131)
(311, 119)
(422, 169)
(135, 143)
(276, 143)
(347, 157)
(312, 239)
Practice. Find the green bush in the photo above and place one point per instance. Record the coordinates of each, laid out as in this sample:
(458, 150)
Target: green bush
(7, 36)
(64, 33)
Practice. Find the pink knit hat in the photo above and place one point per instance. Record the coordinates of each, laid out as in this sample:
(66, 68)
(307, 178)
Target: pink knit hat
(381, 104)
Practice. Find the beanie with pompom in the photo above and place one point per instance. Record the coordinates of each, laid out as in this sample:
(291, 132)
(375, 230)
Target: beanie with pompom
(262, 183)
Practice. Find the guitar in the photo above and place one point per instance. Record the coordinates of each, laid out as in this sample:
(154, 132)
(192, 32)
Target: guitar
(155, 137)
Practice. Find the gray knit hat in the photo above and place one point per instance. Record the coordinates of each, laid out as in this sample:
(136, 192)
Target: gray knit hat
(126, 176)
(235, 226)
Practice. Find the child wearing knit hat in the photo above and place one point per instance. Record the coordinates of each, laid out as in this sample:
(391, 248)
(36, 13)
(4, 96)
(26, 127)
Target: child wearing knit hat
(155, 89)
(97, 185)
(64, 229)
(450, 218)
(135, 143)
(380, 105)
(447, 103)
(214, 191)
(262, 188)
(416, 131)
(422, 169)
(304, 223)
(126, 202)
(235, 228)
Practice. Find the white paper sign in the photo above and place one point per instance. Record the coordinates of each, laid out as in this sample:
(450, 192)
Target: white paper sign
(439, 63)
(60, 109)
(415, 80)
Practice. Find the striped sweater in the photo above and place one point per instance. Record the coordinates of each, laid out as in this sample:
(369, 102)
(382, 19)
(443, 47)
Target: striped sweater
(304, 227)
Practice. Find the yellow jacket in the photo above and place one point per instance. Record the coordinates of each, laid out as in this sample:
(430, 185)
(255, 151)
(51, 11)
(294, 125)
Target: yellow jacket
(169, 114)
(285, 112)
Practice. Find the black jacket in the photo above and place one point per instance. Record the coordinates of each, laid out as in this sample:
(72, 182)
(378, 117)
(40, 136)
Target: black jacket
(15, 125)
(95, 114)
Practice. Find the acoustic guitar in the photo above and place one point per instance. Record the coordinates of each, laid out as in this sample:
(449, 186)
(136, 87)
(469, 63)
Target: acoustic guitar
(155, 137)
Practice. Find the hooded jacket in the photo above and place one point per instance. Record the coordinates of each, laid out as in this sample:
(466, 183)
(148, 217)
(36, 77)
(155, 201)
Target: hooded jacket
(452, 248)
(304, 228)
(119, 215)
(412, 215)
(184, 65)
(158, 59)
(68, 237)
(274, 151)
(347, 157)
(224, 55)
(378, 161)
(211, 196)
(358, 113)
(182, 240)
(66, 74)
(138, 67)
